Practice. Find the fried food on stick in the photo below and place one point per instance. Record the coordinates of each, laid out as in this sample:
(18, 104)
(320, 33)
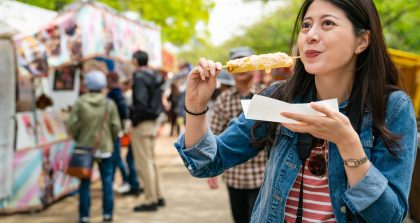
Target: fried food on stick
(259, 62)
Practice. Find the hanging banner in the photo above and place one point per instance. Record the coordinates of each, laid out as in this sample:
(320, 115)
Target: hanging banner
(93, 31)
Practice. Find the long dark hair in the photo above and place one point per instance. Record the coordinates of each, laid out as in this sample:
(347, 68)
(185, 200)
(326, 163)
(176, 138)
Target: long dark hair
(376, 75)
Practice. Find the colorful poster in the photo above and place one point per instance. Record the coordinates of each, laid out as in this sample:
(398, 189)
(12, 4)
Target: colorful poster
(62, 39)
(50, 128)
(25, 130)
(64, 78)
(31, 56)
(87, 33)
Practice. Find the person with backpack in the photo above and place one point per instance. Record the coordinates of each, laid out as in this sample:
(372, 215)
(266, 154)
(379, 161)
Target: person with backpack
(351, 165)
(144, 111)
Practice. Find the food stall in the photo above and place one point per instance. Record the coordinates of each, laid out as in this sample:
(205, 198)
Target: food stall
(34, 143)
(41, 75)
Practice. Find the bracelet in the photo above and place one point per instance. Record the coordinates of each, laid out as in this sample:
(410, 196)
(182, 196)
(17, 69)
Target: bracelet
(200, 113)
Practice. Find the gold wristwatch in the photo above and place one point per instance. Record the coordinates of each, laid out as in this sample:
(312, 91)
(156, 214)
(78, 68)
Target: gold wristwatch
(355, 162)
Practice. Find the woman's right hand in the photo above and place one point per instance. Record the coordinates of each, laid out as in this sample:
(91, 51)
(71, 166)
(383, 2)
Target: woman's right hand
(201, 83)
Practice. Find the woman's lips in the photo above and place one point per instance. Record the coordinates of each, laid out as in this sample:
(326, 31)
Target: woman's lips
(312, 53)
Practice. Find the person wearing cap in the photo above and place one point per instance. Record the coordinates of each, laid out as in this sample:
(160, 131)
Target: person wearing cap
(243, 181)
(87, 119)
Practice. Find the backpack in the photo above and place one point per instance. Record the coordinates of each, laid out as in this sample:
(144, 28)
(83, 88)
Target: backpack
(155, 99)
(151, 105)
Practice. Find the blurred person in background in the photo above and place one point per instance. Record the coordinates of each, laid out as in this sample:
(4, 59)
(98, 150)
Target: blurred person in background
(135, 188)
(173, 100)
(225, 82)
(115, 93)
(144, 112)
(243, 181)
(86, 120)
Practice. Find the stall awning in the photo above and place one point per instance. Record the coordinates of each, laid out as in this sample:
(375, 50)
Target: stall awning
(403, 58)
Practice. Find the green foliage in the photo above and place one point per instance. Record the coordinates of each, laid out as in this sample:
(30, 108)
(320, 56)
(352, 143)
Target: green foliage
(177, 18)
(400, 18)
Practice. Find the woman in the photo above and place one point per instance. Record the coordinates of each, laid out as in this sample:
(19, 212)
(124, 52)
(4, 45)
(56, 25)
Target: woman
(93, 122)
(361, 173)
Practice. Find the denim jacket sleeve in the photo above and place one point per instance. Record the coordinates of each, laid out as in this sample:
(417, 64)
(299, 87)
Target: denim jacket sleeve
(214, 154)
(383, 192)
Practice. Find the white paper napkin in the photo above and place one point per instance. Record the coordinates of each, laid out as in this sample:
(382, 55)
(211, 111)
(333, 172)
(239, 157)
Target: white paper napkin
(269, 109)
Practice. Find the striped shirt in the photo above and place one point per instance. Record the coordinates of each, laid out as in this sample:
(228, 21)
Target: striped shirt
(317, 205)
(248, 175)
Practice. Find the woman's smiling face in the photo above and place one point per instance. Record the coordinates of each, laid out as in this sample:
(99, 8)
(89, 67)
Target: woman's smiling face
(327, 42)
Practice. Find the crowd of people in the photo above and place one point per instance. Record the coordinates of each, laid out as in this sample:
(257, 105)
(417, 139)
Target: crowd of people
(99, 119)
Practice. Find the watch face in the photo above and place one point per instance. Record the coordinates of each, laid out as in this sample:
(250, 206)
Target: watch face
(351, 163)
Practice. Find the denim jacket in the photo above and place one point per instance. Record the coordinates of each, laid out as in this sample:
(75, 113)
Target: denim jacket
(380, 196)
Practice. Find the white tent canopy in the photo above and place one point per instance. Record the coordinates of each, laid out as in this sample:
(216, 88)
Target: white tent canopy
(17, 17)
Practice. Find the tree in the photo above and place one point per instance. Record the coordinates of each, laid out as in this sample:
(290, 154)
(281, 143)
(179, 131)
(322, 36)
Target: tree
(177, 18)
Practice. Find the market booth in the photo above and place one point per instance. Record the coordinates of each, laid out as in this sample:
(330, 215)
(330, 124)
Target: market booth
(32, 154)
(41, 75)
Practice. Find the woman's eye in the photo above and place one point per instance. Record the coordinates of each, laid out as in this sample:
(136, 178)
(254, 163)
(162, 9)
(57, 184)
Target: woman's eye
(329, 23)
(306, 25)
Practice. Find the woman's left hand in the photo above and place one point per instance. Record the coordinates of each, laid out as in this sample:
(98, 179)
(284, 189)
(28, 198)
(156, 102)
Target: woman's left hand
(334, 127)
